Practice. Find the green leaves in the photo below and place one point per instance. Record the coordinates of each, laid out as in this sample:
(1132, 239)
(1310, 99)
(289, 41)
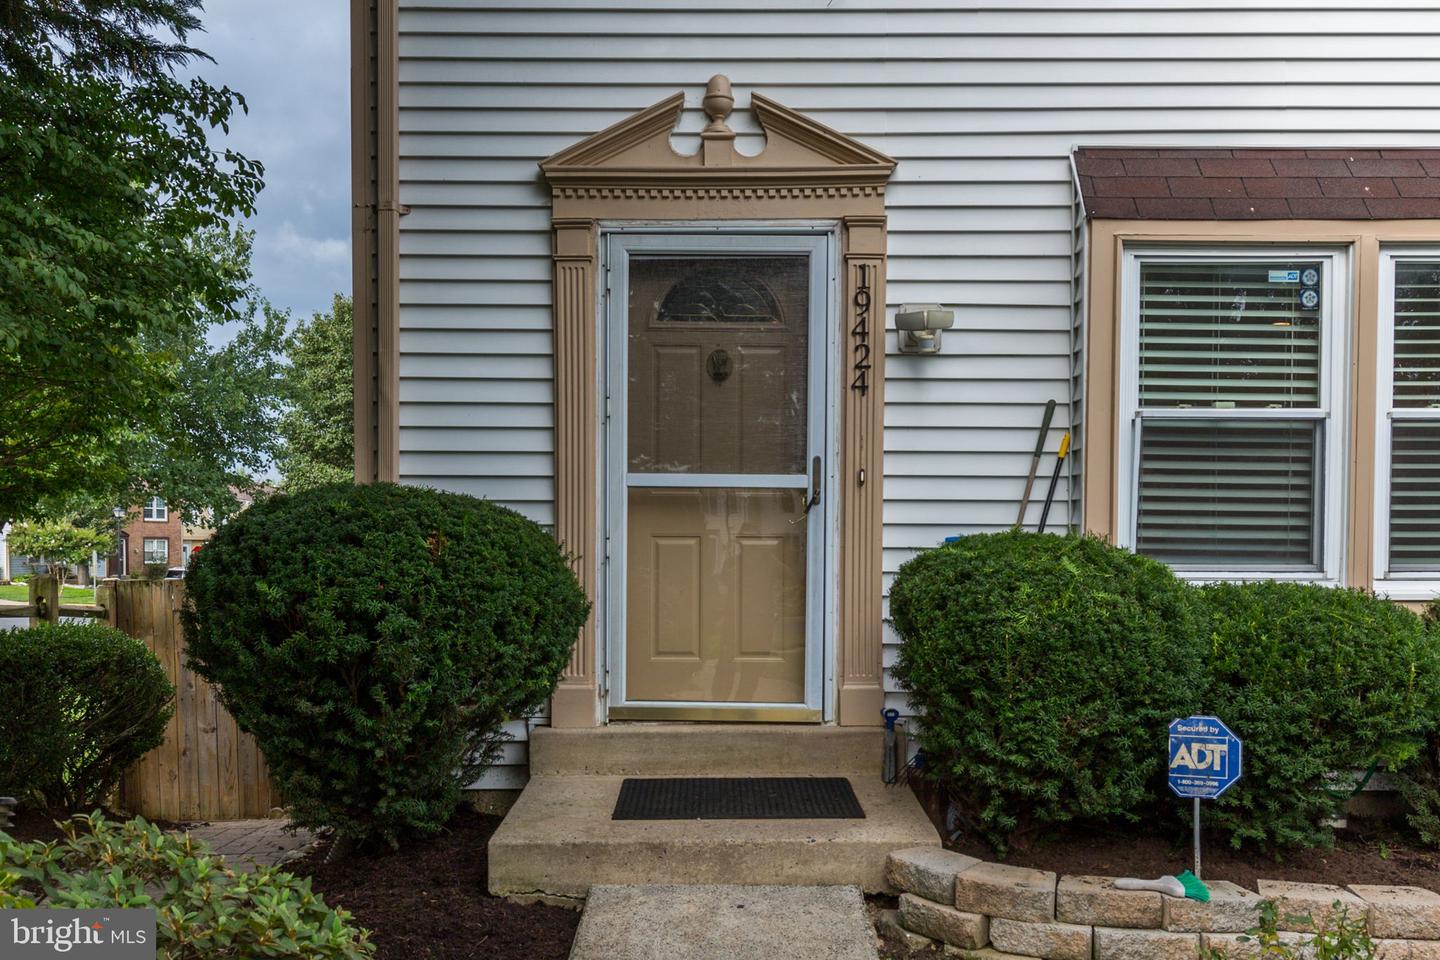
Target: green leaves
(375, 671)
(79, 703)
(204, 909)
(1339, 937)
(61, 542)
(110, 279)
(318, 427)
(1044, 670)
(1318, 682)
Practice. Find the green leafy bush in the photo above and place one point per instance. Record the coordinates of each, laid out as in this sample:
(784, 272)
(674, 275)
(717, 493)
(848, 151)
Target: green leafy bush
(79, 703)
(1419, 782)
(1419, 787)
(1044, 671)
(1317, 682)
(374, 639)
(204, 909)
(1339, 937)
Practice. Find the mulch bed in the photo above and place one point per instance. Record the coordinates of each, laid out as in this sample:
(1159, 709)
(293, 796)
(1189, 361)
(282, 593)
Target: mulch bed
(1373, 853)
(1369, 852)
(429, 900)
(31, 824)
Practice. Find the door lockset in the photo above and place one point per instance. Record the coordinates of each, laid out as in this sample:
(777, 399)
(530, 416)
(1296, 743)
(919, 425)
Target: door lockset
(814, 499)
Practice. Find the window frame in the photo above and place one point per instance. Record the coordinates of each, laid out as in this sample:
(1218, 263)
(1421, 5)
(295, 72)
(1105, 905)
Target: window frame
(1337, 311)
(145, 550)
(1405, 585)
(155, 510)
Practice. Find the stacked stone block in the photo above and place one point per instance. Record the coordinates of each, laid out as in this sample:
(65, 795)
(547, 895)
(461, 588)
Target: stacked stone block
(1000, 912)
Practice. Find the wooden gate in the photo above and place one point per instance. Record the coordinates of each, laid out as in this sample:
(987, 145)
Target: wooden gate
(205, 769)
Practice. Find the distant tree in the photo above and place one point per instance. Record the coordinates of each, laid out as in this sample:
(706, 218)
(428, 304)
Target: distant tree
(97, 36)
(317, 429)
(111, 203)
(224, 416)
(61, 543)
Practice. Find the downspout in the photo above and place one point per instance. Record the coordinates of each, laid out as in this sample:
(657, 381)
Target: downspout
(375, 235)
(1079, 358)
(389, 211)
(362, 235)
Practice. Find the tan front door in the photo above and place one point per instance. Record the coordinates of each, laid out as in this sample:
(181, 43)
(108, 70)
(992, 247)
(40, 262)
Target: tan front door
(722, 458)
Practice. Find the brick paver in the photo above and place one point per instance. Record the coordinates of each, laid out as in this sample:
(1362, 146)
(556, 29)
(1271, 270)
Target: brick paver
(248, 842)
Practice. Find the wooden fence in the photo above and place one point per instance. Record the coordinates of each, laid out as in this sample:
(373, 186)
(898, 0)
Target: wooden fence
(205, 769)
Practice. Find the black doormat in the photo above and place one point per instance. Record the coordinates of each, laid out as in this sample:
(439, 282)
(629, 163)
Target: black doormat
(737, 798)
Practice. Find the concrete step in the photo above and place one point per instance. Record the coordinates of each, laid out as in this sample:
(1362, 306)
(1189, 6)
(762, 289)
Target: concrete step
(737, 923)
(559, 840)
(706, 750)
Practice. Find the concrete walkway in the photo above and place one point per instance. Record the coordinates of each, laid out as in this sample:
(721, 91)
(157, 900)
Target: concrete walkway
(673, 922)
(248, 842)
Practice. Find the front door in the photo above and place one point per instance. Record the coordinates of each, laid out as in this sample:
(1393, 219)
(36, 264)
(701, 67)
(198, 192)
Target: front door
(717, 472)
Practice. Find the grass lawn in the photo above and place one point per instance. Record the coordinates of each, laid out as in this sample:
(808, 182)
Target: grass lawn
(19, 592)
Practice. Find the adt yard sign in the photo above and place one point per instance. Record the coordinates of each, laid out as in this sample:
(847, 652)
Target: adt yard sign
(1205, 757)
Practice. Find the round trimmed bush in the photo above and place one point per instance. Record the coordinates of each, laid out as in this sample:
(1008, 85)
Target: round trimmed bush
(1044, 671)
(1317, 682)
(374, 639)
(79, 703)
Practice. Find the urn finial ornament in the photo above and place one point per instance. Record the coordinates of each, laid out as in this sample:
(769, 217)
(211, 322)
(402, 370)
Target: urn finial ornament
(718, 103)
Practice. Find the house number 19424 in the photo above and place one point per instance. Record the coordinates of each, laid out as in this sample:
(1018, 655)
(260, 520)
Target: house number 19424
(860, 332)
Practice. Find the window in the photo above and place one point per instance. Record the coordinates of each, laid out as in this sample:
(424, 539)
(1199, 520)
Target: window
(1407, 554)
(155, 509)
(1229, 392)
(157, 550)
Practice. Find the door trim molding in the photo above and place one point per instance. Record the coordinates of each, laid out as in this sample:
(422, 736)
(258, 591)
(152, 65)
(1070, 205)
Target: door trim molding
(808, 172)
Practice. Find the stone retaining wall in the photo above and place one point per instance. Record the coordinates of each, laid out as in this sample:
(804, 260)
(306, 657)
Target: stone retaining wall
(996, 911)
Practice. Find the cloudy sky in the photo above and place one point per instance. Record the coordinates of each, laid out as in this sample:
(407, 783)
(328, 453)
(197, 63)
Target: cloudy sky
(290, 58)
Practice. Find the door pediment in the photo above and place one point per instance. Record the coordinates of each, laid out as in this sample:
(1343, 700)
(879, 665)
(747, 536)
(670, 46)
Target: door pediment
(636, 152)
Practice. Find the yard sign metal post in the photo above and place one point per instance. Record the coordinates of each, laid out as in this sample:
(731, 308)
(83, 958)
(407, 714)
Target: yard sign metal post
(1205, 760)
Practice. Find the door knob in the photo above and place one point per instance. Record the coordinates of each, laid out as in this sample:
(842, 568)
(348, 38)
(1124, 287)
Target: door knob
(814, 498)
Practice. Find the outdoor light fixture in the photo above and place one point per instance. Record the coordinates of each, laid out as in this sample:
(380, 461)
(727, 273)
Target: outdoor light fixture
(919, 326)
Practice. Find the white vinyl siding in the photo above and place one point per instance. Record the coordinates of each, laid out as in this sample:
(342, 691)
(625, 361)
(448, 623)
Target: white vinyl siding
(981, 104)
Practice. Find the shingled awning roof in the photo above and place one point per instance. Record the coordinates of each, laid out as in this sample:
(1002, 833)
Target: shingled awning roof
(1120, 183)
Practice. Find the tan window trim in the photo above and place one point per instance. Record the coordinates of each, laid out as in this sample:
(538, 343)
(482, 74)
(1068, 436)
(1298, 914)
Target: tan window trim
(1105, 244)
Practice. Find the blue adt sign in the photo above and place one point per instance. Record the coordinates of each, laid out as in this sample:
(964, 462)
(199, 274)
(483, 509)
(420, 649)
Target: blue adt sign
(1205, 757)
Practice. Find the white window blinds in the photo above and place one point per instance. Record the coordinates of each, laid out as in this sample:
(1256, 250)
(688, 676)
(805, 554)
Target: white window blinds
(1415, 423)
(1231, 420)
(1228, 336)
(1229, 494)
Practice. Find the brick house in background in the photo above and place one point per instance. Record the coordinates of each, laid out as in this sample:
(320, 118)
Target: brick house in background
(152, 534)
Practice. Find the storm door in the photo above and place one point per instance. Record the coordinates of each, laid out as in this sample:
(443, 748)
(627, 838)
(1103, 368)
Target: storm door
(716, 472)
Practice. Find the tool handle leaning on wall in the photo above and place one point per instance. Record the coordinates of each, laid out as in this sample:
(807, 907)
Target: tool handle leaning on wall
(1035, 461)
(1055, 479)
